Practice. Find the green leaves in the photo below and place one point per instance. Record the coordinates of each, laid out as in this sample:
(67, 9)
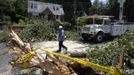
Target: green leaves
(104, 56)
(12, 7)
(109, 55)
(38, 31)
(21, 7)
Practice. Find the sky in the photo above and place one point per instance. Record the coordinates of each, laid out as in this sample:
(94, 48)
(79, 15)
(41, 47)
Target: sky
(101, 0)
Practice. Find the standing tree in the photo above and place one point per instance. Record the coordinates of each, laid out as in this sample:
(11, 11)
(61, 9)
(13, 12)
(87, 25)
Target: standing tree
(20, 9)
(129, 10)
(113, 8)
(98, 7)
(7, 9)
(10, 8)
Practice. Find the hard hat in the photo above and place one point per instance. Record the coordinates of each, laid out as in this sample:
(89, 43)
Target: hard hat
(60, 27)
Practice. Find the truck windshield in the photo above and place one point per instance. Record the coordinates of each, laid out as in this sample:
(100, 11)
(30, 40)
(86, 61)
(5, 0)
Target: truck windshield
(94, 21)
(98, 21)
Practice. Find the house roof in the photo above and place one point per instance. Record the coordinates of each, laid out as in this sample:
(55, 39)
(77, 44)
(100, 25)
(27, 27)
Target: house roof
(42, 7)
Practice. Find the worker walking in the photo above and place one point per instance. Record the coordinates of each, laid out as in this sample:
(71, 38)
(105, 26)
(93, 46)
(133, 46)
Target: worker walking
(61, 38)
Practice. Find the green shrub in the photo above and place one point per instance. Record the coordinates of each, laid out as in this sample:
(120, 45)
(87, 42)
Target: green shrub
(66, 25)
(21, 23)
(38, 31)
(72, 35)
(109, 55)
(128, 41)
(6, 20)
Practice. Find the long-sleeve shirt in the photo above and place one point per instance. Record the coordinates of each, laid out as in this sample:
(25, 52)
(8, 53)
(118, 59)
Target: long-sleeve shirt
(61, 35)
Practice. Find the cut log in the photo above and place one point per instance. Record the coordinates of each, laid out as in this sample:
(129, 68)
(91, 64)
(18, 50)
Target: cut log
(25, 47)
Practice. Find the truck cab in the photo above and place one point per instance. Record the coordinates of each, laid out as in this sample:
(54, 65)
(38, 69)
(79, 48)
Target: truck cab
(97, 28)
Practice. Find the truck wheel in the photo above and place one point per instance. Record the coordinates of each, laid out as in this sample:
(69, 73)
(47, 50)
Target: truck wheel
(99, 37)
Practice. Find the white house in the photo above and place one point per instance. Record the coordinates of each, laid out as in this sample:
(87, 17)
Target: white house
(47, 11)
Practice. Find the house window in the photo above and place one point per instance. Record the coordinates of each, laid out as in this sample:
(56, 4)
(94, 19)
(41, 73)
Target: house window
(54, 8)
(57, 8)
(34, 6)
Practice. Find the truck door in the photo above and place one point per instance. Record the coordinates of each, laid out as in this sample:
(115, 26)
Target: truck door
(107, 26)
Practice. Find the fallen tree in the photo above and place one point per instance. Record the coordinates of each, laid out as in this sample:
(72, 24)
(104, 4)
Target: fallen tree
(46, 62)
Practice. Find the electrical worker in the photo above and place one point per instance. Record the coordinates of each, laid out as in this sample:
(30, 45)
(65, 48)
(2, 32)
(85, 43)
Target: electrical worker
(61, 38)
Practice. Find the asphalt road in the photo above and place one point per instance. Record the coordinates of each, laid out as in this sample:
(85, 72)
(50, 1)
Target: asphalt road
(4, 60)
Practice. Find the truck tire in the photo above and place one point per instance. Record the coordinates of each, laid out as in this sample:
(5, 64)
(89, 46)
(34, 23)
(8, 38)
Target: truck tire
(99, 37)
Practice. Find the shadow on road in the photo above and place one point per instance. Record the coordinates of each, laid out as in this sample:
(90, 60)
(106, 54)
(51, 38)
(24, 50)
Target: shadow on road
(91, 41)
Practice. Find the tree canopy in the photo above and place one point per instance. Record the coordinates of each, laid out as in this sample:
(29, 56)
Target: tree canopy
(9, 9)
(129, 10)
(16, 9)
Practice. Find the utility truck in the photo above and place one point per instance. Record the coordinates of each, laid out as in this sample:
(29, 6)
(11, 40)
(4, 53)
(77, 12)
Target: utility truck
(101, 26)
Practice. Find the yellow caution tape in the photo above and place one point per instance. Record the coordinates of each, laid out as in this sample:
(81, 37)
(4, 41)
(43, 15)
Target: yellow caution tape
(113, 71)
(26, 58)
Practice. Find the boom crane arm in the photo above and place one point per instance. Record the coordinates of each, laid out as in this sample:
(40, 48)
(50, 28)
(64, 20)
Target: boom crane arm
(121, 2)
